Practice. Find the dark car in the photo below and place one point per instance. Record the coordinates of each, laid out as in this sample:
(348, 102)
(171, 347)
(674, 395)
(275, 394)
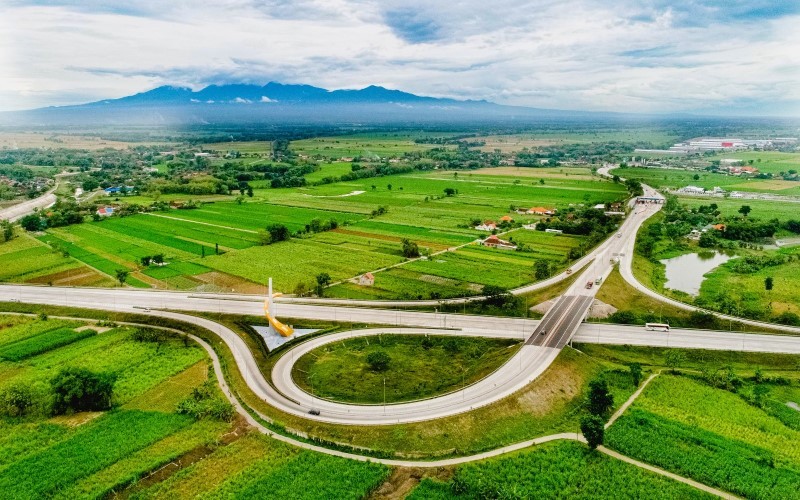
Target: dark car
(313, 411)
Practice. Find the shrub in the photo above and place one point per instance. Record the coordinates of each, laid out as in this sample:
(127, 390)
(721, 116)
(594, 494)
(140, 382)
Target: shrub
(79, 389)
(204, 403)
(378, 361)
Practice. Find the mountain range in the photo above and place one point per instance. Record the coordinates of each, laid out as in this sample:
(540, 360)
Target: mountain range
(277, 103)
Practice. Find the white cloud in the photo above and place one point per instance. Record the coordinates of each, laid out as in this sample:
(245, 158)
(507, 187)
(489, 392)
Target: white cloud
(570, 55)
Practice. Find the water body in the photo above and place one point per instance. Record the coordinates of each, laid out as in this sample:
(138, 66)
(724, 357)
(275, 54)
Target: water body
(686, 272)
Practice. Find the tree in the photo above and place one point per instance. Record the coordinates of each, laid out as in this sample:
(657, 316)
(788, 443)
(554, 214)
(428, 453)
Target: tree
(745, 209)
(378, 361)
(593, 429)
(636, 373)
(122, 276)
(16, 400)
(31, 222)
(389, 187)
(264, 238)
(278, 232)
(541, 269)
(323, 280)
(696, 177)
(449, 192)
(410, 249)
(80, 389)
(8, 230)
(675, 358)
(768, 283)
(249, 191)
(600, 399)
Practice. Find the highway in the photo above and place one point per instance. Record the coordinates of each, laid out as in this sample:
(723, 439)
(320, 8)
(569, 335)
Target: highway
(527, 364)
(20, 210)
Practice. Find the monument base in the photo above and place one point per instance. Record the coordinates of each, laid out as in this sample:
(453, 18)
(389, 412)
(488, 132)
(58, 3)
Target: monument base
(274, 339)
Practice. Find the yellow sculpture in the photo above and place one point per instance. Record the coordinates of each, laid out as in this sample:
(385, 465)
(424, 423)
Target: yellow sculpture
(269, 307)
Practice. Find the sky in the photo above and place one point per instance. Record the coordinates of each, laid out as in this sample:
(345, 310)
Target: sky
(649, 56)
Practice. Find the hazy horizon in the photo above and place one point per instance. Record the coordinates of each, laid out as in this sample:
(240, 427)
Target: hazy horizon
(705, 58)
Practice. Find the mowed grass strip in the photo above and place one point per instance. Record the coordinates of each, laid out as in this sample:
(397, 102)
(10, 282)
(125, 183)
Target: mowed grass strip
(42, 343)
(94, 447)
(420, 367)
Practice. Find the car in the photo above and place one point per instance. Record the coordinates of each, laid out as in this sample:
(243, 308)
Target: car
(589, 284)
(313, 411)
(569, 271)
(543, 332)
(619, 235)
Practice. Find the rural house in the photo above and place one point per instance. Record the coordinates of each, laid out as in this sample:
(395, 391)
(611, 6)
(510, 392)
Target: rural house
(366, 279)
(494, 242)
(488, 225)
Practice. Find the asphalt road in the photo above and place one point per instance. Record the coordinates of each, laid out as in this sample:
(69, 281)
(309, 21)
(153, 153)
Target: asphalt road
(20, 210)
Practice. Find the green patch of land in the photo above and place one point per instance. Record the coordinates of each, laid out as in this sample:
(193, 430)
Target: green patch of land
(712, 435)
(554, 470)
(418, 367)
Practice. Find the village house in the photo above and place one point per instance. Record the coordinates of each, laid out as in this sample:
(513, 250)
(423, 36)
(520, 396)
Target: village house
(105, 211)
(541, 211)
(494, 242)
(366, 279)
(506, 218)
(488, 225)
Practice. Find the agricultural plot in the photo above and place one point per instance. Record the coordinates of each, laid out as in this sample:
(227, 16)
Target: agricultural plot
(44, 342)
(773, 162)
(363, 145)
(554, 470)
(467, 270)
(415, 207)
(256, 467)
(91, 455)
(332, 169)
(711, 435)
(676, 179)
(25, 259)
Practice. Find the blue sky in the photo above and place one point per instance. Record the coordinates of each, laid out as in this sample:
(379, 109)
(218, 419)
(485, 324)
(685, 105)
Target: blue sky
(721, 57)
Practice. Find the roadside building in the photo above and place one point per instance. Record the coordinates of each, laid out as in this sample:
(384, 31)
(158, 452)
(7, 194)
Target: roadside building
(366, 279)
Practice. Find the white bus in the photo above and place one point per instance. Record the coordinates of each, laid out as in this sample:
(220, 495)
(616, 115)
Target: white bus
(663, 327)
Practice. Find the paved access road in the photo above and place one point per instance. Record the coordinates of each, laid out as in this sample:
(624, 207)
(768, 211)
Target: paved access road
(20, 210)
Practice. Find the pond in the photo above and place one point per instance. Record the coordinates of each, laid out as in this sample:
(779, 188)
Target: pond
(686, 272)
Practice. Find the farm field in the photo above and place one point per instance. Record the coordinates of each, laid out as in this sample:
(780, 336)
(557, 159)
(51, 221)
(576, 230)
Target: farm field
(374, 145)
(553, 470)
(332, 169)
(761, 209)
(676, 179)
(91, 454)
(516, 142)
(414, 206)
(773, 162)
(713, 436)
(257, 467)
(419, 367)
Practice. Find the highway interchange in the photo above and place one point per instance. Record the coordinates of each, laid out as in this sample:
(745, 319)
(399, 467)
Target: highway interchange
(542, 340)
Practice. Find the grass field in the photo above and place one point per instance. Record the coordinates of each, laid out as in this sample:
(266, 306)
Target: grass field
(675, 179)
(417, 369)
(711, 435)
(773, 162)
(554, 470)
(373, 145)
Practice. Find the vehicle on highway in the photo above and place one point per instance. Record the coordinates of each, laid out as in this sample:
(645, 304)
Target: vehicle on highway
(598, 280)
(543, 332)
(619, 235)
(313, 411)
(662, 327)
(589, 284)
(569, 271)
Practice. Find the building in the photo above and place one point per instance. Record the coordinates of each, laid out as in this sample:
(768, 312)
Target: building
(506, 218)
(542, 211)
(366, 279)
(494, 242)
(105, 211)
(554, 231)
(692, 190)
(488, 225)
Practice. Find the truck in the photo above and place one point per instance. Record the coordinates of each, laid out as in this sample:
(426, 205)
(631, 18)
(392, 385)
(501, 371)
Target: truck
(598, 280)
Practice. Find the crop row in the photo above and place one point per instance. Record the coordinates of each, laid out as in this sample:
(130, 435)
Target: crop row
(87, 451)
(42, 343)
